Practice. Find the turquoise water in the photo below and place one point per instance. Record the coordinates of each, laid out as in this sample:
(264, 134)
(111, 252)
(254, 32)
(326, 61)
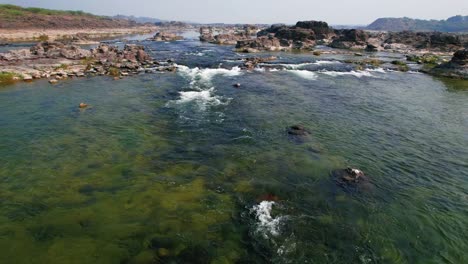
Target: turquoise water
(183, 168)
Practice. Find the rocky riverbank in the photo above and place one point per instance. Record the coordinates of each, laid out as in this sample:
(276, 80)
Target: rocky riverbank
(56, 61)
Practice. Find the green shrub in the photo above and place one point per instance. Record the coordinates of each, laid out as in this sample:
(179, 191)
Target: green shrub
(8, 77)
(43, 38)
(424, 59)
(87, 61)
(113, 71)
(402, 66)
(62, 67)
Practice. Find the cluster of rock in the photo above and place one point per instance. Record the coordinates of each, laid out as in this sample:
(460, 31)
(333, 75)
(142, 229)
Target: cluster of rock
(307, 34)
(304, 35)
(231, 37)
(165, 36)
(456, 68)
(58, 61)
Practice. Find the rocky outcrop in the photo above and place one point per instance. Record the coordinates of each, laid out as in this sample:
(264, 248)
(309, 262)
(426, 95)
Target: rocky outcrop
(304, 35)
(60, 61)
(456, 68)
(59, 50)
(206, 34)
(350, 39)
(230, 39)
(268, 43)
(165, 36)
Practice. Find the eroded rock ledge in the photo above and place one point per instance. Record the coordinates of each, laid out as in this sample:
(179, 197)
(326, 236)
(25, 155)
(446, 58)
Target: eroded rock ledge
(57, 60)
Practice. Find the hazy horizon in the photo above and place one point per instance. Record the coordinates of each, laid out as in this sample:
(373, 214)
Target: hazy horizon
(358, 12)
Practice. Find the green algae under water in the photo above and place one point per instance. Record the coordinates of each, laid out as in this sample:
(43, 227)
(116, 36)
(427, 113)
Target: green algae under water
(146, 176)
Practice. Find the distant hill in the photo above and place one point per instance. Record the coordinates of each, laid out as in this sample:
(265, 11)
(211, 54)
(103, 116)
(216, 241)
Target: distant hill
(142, 20)
(452, 24)
(16, 17)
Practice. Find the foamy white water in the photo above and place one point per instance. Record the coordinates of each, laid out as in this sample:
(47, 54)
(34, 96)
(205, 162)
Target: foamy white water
(357, 74)
(266, 225)
(308, 75)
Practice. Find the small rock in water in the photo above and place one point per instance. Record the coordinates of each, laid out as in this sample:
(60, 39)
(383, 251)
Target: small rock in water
(83, 105)
(237, 85)
(53, 81)
(351, 179)
(297, 130)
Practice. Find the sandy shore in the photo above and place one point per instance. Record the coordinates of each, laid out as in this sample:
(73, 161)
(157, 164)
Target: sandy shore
(8, 35)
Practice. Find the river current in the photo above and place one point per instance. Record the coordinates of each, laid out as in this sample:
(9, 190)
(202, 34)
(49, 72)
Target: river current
(184, 168)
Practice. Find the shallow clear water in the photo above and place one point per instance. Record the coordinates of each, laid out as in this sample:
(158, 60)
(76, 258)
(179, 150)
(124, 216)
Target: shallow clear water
(184, 168)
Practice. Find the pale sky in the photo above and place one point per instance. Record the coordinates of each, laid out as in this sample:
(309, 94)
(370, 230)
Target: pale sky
(351, 12)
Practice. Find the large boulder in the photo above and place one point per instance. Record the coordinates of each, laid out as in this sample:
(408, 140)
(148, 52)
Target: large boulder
(320, 28)
(350, 39)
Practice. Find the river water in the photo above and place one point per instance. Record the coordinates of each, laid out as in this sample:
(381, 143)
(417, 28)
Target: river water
(184, 168)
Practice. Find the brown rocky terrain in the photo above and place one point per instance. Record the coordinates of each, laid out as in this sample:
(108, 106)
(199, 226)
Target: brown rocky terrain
(14, 17)
(33, 24)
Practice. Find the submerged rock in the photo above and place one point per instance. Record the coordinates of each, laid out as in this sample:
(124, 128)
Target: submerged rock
(297, 130)
(351, 179)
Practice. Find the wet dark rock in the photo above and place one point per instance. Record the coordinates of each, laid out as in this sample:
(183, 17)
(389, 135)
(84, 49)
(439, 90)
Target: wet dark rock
(372, 48)
(252, 63)
(303, 36)
(237, 85)
(351, 179)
